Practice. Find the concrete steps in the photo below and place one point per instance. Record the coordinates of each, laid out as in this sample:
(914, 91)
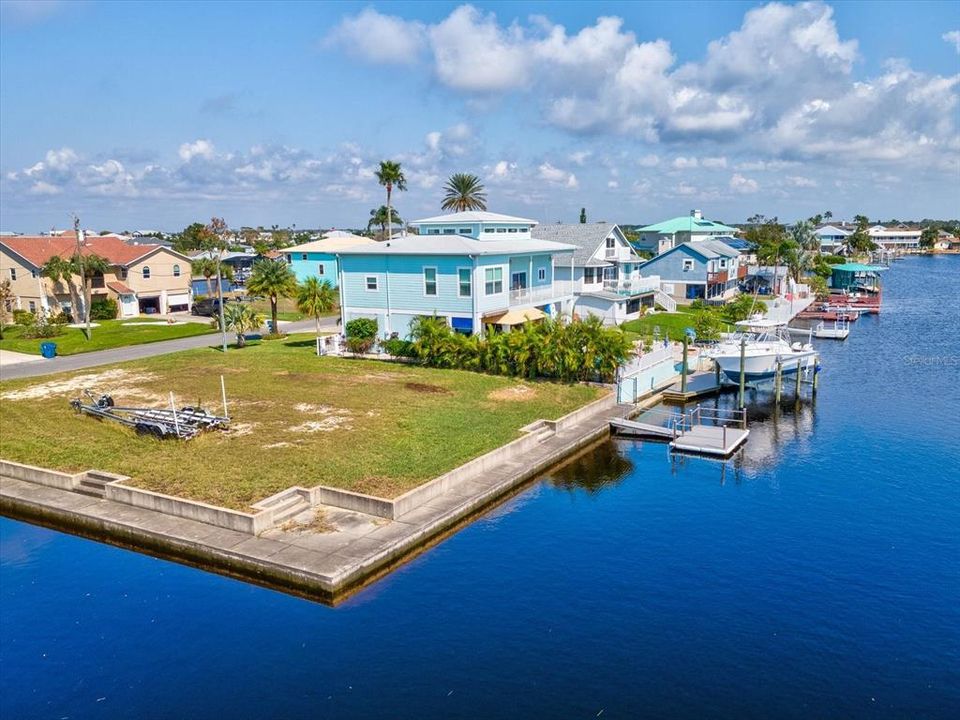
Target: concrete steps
(92, 483)
(284, 506)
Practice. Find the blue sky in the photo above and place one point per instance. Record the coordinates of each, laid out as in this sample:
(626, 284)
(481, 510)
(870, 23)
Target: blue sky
(154, 115)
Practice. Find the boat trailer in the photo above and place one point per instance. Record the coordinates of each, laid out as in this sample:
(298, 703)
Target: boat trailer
(183, 424)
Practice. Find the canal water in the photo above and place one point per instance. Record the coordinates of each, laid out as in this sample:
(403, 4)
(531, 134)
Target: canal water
(816, 576)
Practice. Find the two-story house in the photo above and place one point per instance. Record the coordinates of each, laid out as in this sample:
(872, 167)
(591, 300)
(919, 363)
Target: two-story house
(833, 239)
(605, 270)
(662, 236)
(476, 269)
(702, 270)
(318, 258)
(141, 278)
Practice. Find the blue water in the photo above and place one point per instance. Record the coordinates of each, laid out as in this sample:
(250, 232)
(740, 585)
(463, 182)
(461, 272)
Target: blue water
(816, 577)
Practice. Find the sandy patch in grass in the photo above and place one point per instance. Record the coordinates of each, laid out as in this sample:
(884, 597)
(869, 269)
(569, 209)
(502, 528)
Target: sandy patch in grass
(272, 446)
(516, 393)
(119, 383)
(426, 388)
(316, 409)
(328, 424)
(240, 429)
(318, 523)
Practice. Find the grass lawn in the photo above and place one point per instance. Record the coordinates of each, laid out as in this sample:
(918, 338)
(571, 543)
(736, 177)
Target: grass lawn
(109, 334)
(369, 426)
(673, 324)
(286, 310)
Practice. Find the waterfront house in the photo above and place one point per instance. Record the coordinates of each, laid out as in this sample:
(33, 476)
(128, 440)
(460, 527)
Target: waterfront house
(833, 239)
(475, 269)
(701, 270)
(318, 258)
(663, 236)
(899, 238)
(605, 269)
(240, 262)
(141, 278)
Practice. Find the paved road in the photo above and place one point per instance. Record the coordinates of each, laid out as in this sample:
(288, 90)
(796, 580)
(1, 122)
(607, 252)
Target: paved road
(66, 363)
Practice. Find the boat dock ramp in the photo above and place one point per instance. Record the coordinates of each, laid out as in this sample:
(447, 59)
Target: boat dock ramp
(700, 431)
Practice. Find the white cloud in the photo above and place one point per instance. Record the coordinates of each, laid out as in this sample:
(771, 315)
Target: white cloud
(556, 176)
(44, 188)
(685, 189)
(379, 38)
(684, 163)
(953, 37)
(502, 169)
(741, 184)
(648, 161)
(613, 184)
(714, 162)
(198, 148)
(800, 182)
(580, 157)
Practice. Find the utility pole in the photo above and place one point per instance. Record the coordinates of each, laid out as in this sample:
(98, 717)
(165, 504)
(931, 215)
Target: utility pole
(83, 275)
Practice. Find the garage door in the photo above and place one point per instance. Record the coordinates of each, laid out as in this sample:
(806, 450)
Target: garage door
(179, 302)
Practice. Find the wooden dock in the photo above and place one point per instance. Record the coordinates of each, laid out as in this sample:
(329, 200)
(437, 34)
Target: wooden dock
(698, 385)
(721, 441)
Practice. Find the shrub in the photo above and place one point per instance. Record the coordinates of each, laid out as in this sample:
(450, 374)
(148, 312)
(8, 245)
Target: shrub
(40, 328)
(742, 307)
(706, 323)
(359, 346)
(362, 329)
(23, 317)
(834, 259)
(103, 309)
(61, 318)
(399, 348)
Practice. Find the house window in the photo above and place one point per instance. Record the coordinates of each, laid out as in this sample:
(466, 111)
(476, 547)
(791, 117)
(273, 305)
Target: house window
(33, 274)
(464, 282)
(493, 281)
(123, 273)
(611, 242)
(723, 262)
(303, 256)
(489, 230)
(464, 231)
(687, 265)
(429, 281)
(541, 274)
(289, 259)
(32, 305)
(588, 275)
(13, 273)
(176, 271)
(145, 272)
(434, 231)
(509, 230)
(500, 230)
(372, 283)
(449, 231)
(319, 268)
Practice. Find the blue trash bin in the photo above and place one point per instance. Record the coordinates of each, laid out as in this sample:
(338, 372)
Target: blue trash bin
(48, 350)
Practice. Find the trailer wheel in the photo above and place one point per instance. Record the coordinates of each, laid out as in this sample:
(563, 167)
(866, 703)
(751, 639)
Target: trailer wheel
(149, 429)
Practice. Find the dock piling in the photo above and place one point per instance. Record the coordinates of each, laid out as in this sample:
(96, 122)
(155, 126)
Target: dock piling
(796, 391)
(743, 372)
(778, 380)
(683, 370)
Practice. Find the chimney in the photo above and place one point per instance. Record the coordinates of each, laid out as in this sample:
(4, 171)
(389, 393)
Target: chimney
(696, 214)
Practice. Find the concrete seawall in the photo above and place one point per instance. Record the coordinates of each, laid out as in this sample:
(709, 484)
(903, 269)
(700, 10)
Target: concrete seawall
(362, 536)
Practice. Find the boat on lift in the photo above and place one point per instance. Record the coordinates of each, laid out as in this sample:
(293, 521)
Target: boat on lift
(764, 343)
(838, 330)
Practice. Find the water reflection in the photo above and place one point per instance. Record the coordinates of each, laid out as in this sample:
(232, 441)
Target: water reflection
(596, 470)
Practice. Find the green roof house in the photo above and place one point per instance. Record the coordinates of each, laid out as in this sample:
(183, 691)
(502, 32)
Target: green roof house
(665, 235)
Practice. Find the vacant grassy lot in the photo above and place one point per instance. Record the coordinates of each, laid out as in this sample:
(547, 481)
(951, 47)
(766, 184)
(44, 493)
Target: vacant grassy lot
(671, 324)
(109, 334)
(369, 426)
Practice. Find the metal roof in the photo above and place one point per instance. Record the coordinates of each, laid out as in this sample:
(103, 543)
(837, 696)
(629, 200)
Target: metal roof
(472, 216)
(687, 223)
(456, 245)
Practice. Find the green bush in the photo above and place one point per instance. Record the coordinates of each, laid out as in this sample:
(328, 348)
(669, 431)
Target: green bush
(569, 351)
(834, 259)
(360, 346)
(400, 348)
(362, 328)
(707, 324)
(104, 309)
(61, 318)
(742, 307)
(23, 317)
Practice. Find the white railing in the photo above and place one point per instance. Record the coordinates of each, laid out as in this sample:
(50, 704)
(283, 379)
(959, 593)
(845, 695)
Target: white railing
(647, 361)
(632, 287)
(545, 293)
(665, 301)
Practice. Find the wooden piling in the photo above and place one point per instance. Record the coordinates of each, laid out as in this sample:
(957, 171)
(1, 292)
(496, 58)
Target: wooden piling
(743, 371)
(796, 392)
(778, 380)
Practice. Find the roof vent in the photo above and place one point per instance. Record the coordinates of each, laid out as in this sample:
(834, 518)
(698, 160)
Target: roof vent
(697, 214)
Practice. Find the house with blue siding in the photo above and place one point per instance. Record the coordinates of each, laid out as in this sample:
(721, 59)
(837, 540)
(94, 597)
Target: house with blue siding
(701, 270)
(318, 258)
(475, 269)
(833, 239)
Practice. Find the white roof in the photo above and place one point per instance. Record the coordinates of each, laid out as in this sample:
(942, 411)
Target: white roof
(472, 216)
(457, 245)
(332, 244)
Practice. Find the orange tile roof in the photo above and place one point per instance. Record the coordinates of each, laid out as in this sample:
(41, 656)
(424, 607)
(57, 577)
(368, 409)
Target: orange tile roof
(120, 288)
(38, 249)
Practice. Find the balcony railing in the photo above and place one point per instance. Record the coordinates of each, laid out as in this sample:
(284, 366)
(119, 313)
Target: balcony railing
(540, 293)
(632, 287)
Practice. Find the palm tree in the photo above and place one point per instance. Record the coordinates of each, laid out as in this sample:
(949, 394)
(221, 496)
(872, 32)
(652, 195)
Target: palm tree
(241, 319)
(6, 296)
(273, 279)
(464, 192)
(391, 176)
(316, 297)
(91, 266)
(380, 217)
(207, 267)
(59, 269)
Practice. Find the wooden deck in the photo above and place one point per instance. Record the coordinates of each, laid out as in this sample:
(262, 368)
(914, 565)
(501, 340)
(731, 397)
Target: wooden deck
(698, 385)
(721, 441)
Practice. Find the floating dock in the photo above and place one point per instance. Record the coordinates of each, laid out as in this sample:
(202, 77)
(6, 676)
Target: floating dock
(698, 385)
(720, 441)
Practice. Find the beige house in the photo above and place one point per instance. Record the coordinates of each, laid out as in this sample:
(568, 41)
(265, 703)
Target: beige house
(142, 278)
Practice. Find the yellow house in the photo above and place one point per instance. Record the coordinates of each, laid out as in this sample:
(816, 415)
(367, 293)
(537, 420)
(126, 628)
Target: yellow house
(142, 278)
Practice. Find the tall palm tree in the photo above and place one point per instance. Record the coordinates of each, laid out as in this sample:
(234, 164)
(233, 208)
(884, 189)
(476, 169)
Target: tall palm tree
(273, 279)
(390, 175)
(91, 266)
(316, 297)
(380, 217)
(59, 269)
(241, 319)
(207, 267)
(6, 296)
(464, 192)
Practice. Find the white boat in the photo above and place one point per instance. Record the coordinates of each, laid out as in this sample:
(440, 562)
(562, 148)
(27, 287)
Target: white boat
(764, 343)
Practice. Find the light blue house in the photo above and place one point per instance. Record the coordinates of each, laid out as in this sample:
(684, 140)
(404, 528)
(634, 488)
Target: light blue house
(318, 258)
(665, 235)
(833, 239)
(475, 269)
(701, 270)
